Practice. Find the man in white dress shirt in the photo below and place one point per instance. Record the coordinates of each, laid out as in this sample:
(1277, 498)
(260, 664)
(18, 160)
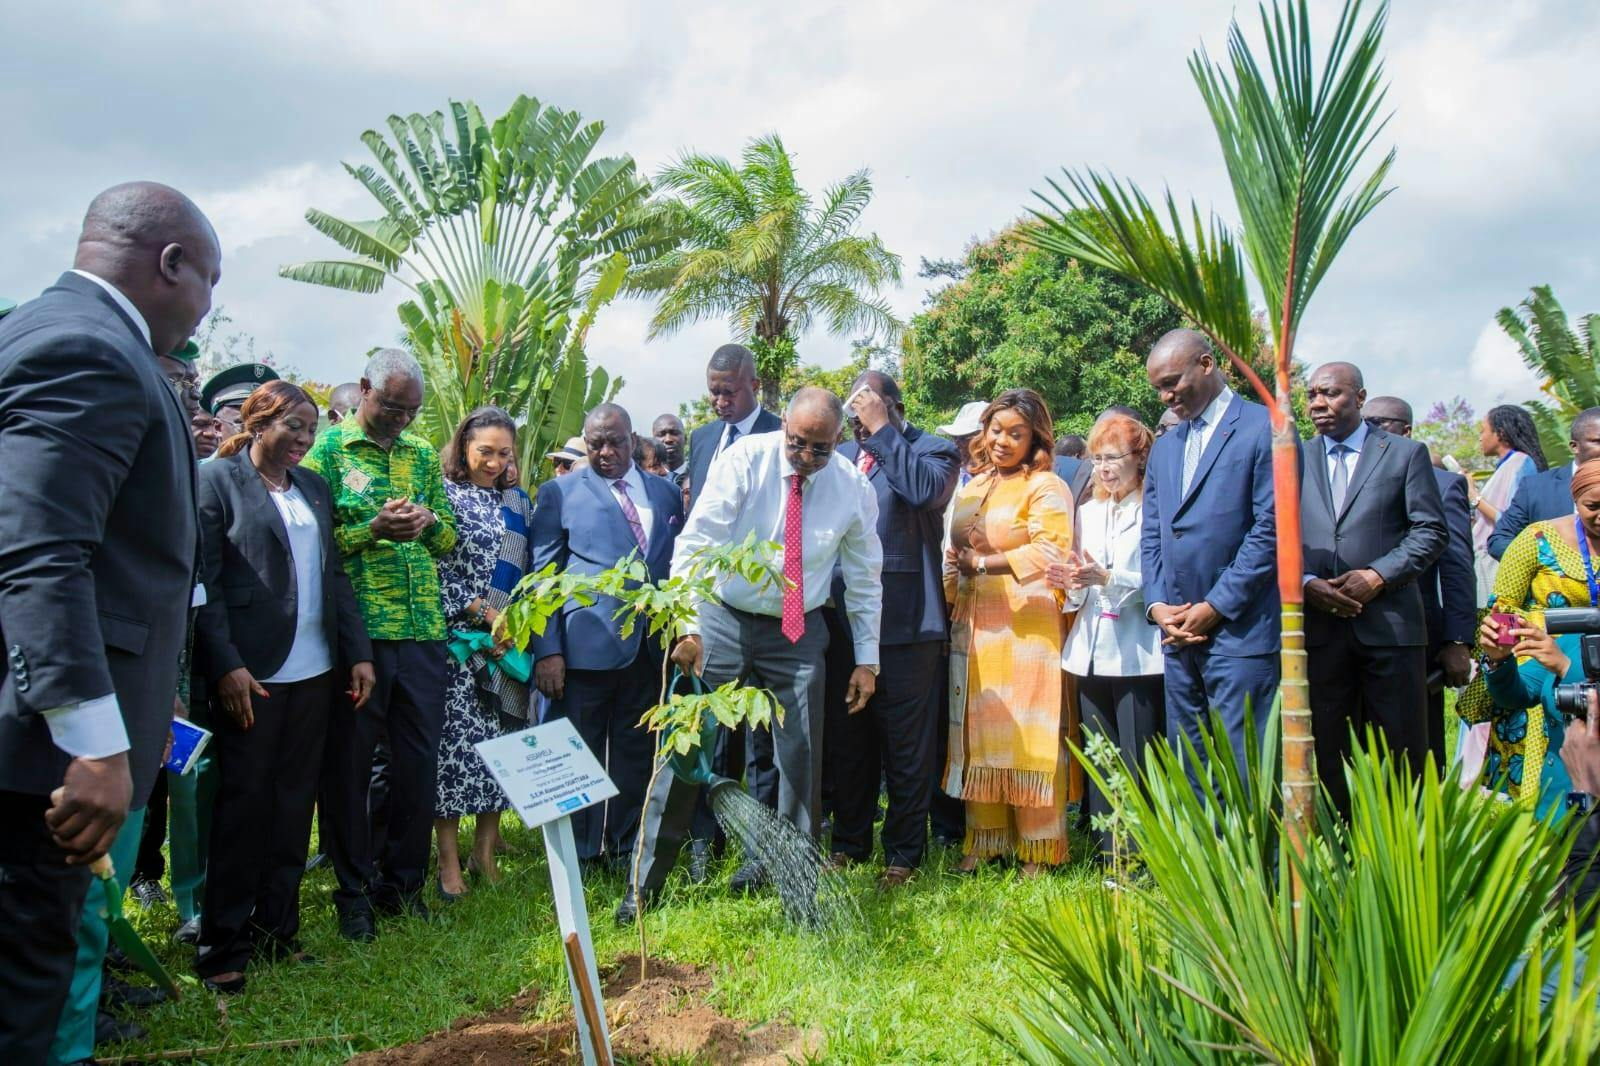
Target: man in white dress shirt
(791, 487)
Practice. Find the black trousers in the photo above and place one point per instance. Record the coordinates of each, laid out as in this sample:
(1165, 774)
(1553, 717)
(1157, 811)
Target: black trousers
(385, 869)
(261, 824)
(605, 707)
(890, 740)
(947, 814)
(1354, 686)
(1131, 712)
(41, 902)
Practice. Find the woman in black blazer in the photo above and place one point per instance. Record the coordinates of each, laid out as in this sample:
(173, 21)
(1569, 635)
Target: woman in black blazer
(280, 616)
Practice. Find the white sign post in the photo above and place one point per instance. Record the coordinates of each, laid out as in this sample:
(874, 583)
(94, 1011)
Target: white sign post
(549, 772)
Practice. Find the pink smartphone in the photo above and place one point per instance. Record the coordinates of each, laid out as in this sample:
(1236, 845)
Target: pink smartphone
(1506, 622)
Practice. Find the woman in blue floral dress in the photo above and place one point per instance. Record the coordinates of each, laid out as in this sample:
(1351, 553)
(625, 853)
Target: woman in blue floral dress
(475, 582)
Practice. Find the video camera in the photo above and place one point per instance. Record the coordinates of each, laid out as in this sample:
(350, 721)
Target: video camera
(1572, 701)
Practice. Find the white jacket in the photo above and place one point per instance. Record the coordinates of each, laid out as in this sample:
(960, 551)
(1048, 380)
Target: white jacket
(1110, 629)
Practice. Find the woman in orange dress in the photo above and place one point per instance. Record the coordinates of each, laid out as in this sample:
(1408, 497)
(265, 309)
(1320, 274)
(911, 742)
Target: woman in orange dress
(1012, 519)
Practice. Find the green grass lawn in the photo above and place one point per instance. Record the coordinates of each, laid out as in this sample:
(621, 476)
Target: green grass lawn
(906, 986)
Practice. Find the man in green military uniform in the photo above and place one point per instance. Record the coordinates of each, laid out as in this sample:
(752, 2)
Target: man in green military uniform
(392, 520)
(229, 388)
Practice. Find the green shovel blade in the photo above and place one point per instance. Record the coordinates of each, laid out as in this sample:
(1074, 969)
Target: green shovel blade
(126, 936)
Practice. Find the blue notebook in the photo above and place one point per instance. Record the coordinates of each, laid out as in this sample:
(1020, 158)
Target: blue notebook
(188, 742)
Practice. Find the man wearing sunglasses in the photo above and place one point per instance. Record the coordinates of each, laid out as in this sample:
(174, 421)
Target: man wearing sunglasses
(791, 487)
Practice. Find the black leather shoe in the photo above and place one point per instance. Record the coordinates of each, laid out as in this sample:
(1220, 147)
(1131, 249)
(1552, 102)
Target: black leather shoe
(109, 1029)
(628, 909)
(115, 993)
(118, 961)
(188, 932)
(749, 877)
(224, 988)
(358, 927)
(699, 861)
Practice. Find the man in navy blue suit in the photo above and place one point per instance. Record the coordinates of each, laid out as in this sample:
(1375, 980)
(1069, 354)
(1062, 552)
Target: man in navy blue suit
(1449, 586)
(586, 523)
(1547, 494)
(1208, 546)
(892, 739)
(732, 386)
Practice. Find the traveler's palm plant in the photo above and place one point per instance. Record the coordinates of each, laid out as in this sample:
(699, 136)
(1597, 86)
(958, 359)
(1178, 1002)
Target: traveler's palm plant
(1567, 362)
(1399, 951)
(510, 238)
(1293, 137)
(758, 251)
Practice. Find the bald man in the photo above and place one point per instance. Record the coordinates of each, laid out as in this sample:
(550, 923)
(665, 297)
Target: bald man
(1371, 524)
(1449, 586)
(97, 566)
(588, 522)
(792, 487)
(342, 400)
(1208, 547)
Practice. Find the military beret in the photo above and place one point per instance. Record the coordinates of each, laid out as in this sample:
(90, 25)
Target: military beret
(232, 385)
(188, 353)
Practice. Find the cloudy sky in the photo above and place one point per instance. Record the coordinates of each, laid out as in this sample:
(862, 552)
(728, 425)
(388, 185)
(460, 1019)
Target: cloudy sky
(959, 110)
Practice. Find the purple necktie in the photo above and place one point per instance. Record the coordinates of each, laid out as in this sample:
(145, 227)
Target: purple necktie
(631, 513)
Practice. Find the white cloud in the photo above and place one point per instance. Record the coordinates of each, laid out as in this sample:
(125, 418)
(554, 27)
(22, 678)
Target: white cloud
(1496, 371)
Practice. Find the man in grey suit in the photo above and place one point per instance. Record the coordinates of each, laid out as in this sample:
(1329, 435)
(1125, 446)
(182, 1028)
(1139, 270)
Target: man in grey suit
(1372, 523)
(97, 564)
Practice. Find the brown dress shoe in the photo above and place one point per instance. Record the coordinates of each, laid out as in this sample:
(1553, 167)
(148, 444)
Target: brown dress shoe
(895, 876)
(838, 861)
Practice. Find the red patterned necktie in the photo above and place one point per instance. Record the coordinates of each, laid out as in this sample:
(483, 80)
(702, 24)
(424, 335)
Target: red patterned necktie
(866, 462)
(794, 594)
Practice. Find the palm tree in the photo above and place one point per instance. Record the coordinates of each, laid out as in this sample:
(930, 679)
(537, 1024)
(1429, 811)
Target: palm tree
(510, 238)
(757, 250)
(1568, 363)
(1292, 137)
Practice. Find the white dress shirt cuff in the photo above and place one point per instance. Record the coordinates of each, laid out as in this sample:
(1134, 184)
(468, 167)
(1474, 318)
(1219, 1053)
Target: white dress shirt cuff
(867, 653)
(92, 729)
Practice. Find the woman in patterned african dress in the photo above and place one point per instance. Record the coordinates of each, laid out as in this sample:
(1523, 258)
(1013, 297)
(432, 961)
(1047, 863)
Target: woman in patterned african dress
(1006, 759)
(1550, 564)
(475, 582)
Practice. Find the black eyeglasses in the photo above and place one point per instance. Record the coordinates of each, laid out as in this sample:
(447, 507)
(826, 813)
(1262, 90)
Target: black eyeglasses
(819, 451)
(396, 409)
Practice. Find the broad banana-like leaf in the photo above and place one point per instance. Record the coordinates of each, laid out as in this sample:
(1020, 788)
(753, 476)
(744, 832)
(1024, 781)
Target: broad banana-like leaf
(353, 275)
(382, 241)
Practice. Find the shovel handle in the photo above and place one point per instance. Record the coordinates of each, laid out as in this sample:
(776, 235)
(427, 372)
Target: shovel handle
(102, 868)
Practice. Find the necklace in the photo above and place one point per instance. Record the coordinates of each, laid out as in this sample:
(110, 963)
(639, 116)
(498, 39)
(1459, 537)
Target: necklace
(273, 485)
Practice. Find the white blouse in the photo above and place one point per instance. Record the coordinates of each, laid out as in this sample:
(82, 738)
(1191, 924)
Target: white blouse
(1110, 630)
(310, 655)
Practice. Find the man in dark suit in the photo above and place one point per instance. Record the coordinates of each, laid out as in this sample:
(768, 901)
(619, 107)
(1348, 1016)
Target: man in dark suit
(1371, 524)
(97, 564)
(1449, 586)
(668, 429)
(892, 739)
(1208, 547)
(1548, 493)
(732, 385)
(601, 680)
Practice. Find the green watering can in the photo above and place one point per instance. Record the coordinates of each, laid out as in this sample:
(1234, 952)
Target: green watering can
(694, 766)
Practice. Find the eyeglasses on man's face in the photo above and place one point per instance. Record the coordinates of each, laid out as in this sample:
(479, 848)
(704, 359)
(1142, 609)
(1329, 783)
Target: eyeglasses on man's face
(396, 409)
(799, 446)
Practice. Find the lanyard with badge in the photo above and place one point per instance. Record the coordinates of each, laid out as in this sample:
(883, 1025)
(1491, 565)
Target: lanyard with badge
(1588, 565)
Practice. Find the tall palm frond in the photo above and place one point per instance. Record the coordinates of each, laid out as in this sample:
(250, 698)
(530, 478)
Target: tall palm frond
(758, 251)
(1293, 137)
(1567, 362)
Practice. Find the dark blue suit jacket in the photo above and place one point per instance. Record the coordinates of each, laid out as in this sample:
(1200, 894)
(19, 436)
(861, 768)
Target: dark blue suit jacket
(914, 478)
(1218, 543)
(1450, 585)
(578, 525)
(1076, 473)
(703, 445)
(1541, 496)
